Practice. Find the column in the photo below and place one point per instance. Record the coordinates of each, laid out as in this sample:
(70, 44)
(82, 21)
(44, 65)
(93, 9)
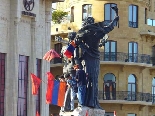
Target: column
(32, 69)
(45, 64)
(11, 93)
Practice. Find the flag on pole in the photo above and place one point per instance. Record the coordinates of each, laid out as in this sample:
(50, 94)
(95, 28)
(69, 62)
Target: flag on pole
(50, 83)
(55, 93)
(50, 55)
(114, 113)
(70, 50)
(58, 95)
(35, 84)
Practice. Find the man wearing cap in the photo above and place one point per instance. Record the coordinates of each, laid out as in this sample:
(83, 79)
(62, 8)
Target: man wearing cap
(81, 83)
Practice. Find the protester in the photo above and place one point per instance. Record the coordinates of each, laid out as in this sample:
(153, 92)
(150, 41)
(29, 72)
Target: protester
(74, 89)
(81, 83)
(61, 78)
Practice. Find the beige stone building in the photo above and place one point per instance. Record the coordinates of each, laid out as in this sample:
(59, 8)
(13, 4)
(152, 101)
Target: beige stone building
(127, 72)
(25, 29)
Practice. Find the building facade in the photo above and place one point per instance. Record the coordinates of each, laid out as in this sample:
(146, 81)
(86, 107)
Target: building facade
(127, 72)
(25, 30)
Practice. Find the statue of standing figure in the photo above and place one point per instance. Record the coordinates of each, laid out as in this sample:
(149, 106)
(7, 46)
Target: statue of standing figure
(88, 39)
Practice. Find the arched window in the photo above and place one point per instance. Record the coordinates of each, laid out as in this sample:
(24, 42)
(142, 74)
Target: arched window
(153, 90)
(131, 87)
(109, 87)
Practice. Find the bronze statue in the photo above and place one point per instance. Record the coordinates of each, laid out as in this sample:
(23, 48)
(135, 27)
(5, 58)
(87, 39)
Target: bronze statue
(89, 38)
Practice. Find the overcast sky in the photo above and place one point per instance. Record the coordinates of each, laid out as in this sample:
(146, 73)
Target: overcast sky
(54, 5)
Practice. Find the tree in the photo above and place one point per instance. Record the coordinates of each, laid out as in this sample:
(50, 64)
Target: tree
(58, 15)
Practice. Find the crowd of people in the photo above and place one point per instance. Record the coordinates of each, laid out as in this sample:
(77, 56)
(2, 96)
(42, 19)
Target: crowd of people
(75, 88)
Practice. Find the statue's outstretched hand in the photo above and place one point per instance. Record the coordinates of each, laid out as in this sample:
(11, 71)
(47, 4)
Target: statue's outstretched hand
(116, 18)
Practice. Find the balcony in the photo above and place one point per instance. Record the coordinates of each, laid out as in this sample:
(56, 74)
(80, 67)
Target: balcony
(126, 58)
(126, 97)
(118, 58)
(147, 33)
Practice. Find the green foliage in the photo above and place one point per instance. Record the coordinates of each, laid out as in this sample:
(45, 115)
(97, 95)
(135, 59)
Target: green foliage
(58, 15)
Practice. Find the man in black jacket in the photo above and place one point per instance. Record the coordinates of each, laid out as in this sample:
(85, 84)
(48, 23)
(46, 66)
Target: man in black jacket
(81, 83)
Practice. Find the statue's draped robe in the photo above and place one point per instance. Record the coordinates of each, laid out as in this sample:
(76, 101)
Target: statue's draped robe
(88, 39)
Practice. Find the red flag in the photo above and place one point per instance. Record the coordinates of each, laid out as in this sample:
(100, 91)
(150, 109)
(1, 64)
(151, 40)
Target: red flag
(50, 84)
(35, 84)
(50, 55)
(87, 113)
(37, 114)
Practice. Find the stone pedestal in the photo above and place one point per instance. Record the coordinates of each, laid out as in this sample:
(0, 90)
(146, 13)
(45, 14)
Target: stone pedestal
(81, 111)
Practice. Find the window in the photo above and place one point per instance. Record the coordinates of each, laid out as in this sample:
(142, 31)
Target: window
(145, 15)
(2, 83)
(153, 90)
(131, 115)
(133, 51)
(109, 87)
(151, 22)
(109, 13)
(86, 11)
(109, 114)
(133, 16)
(153, 55)
(38, 100)
(72, 14)
(131, 87)
(22, 86)
(110, 51)
(57, 48)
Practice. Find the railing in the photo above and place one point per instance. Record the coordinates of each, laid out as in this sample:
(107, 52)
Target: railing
(125, 57)
(126, 95)
(133, 24)
(56, 60)
(119, 57)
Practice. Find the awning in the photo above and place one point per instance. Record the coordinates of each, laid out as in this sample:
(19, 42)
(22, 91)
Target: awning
(58, 1)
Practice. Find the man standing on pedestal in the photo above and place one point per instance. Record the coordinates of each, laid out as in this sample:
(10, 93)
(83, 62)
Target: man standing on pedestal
(81, 83)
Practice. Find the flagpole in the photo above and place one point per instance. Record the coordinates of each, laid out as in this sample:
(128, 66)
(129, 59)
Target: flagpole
(43, 81)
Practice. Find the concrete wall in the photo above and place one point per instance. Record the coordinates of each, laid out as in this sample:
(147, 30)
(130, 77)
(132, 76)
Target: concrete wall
(29, 36)
(4, 25)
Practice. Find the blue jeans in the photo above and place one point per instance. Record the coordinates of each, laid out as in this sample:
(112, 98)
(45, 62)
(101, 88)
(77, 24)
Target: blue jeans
(73, 95)
(81, 94)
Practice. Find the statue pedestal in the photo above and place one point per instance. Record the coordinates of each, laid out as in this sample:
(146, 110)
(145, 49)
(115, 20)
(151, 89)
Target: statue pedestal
(82, 111)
